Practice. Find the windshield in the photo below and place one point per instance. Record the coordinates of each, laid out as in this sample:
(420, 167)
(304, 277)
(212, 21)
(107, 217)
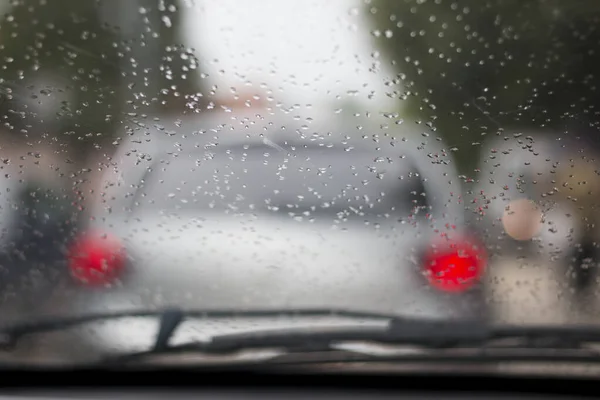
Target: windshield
(431, 159)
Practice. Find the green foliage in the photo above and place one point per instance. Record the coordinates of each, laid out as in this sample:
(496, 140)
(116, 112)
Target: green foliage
(96, 67)
(473, 68)
(68, 42)
(174, 67)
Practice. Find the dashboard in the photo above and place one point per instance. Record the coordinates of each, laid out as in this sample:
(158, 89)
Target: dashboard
(288, 394)
(188, 384)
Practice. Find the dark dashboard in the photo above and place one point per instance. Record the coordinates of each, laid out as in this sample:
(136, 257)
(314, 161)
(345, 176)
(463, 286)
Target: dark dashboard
(273, 394)
(232, 385)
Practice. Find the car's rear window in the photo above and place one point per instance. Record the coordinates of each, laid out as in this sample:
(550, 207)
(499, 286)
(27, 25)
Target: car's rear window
(303, 183)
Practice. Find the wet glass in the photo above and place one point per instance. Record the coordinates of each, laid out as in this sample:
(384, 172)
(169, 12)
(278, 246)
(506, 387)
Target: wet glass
(292, 154)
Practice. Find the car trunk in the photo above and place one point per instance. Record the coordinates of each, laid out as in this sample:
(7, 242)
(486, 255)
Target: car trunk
(271, 261)
(262, 262)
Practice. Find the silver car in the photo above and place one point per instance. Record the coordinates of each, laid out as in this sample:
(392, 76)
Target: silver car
(241, 211)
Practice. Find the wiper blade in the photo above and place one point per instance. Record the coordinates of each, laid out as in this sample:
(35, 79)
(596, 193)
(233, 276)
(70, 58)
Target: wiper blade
(482, 342)
(400, 331)
(473, 342)
(171, 319)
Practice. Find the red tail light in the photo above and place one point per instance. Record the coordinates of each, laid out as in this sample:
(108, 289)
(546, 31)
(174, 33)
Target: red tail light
(455, 265)
(96, 259)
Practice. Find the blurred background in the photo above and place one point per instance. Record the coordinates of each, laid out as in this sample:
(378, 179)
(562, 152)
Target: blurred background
(511, 88)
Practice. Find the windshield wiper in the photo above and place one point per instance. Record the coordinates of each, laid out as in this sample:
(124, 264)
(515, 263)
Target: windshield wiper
(398, 331)
(483, 342)
(170, 319)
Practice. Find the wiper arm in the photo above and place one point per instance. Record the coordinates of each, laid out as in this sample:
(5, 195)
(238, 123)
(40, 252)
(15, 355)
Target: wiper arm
(404, 331)
(170, 320)
(423, 333)
(482, 343)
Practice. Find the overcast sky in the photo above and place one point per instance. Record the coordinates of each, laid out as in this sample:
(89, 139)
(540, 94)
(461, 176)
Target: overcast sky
(306, 51)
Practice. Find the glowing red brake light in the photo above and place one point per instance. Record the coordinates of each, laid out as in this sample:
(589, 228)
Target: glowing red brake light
(455, 265)
(96, 259)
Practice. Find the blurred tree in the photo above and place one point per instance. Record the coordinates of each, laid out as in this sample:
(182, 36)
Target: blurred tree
(475, 67)
(164, 76)
(65, 49)
(101, 61)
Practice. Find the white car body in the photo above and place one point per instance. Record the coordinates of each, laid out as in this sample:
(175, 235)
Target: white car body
(201, 258)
